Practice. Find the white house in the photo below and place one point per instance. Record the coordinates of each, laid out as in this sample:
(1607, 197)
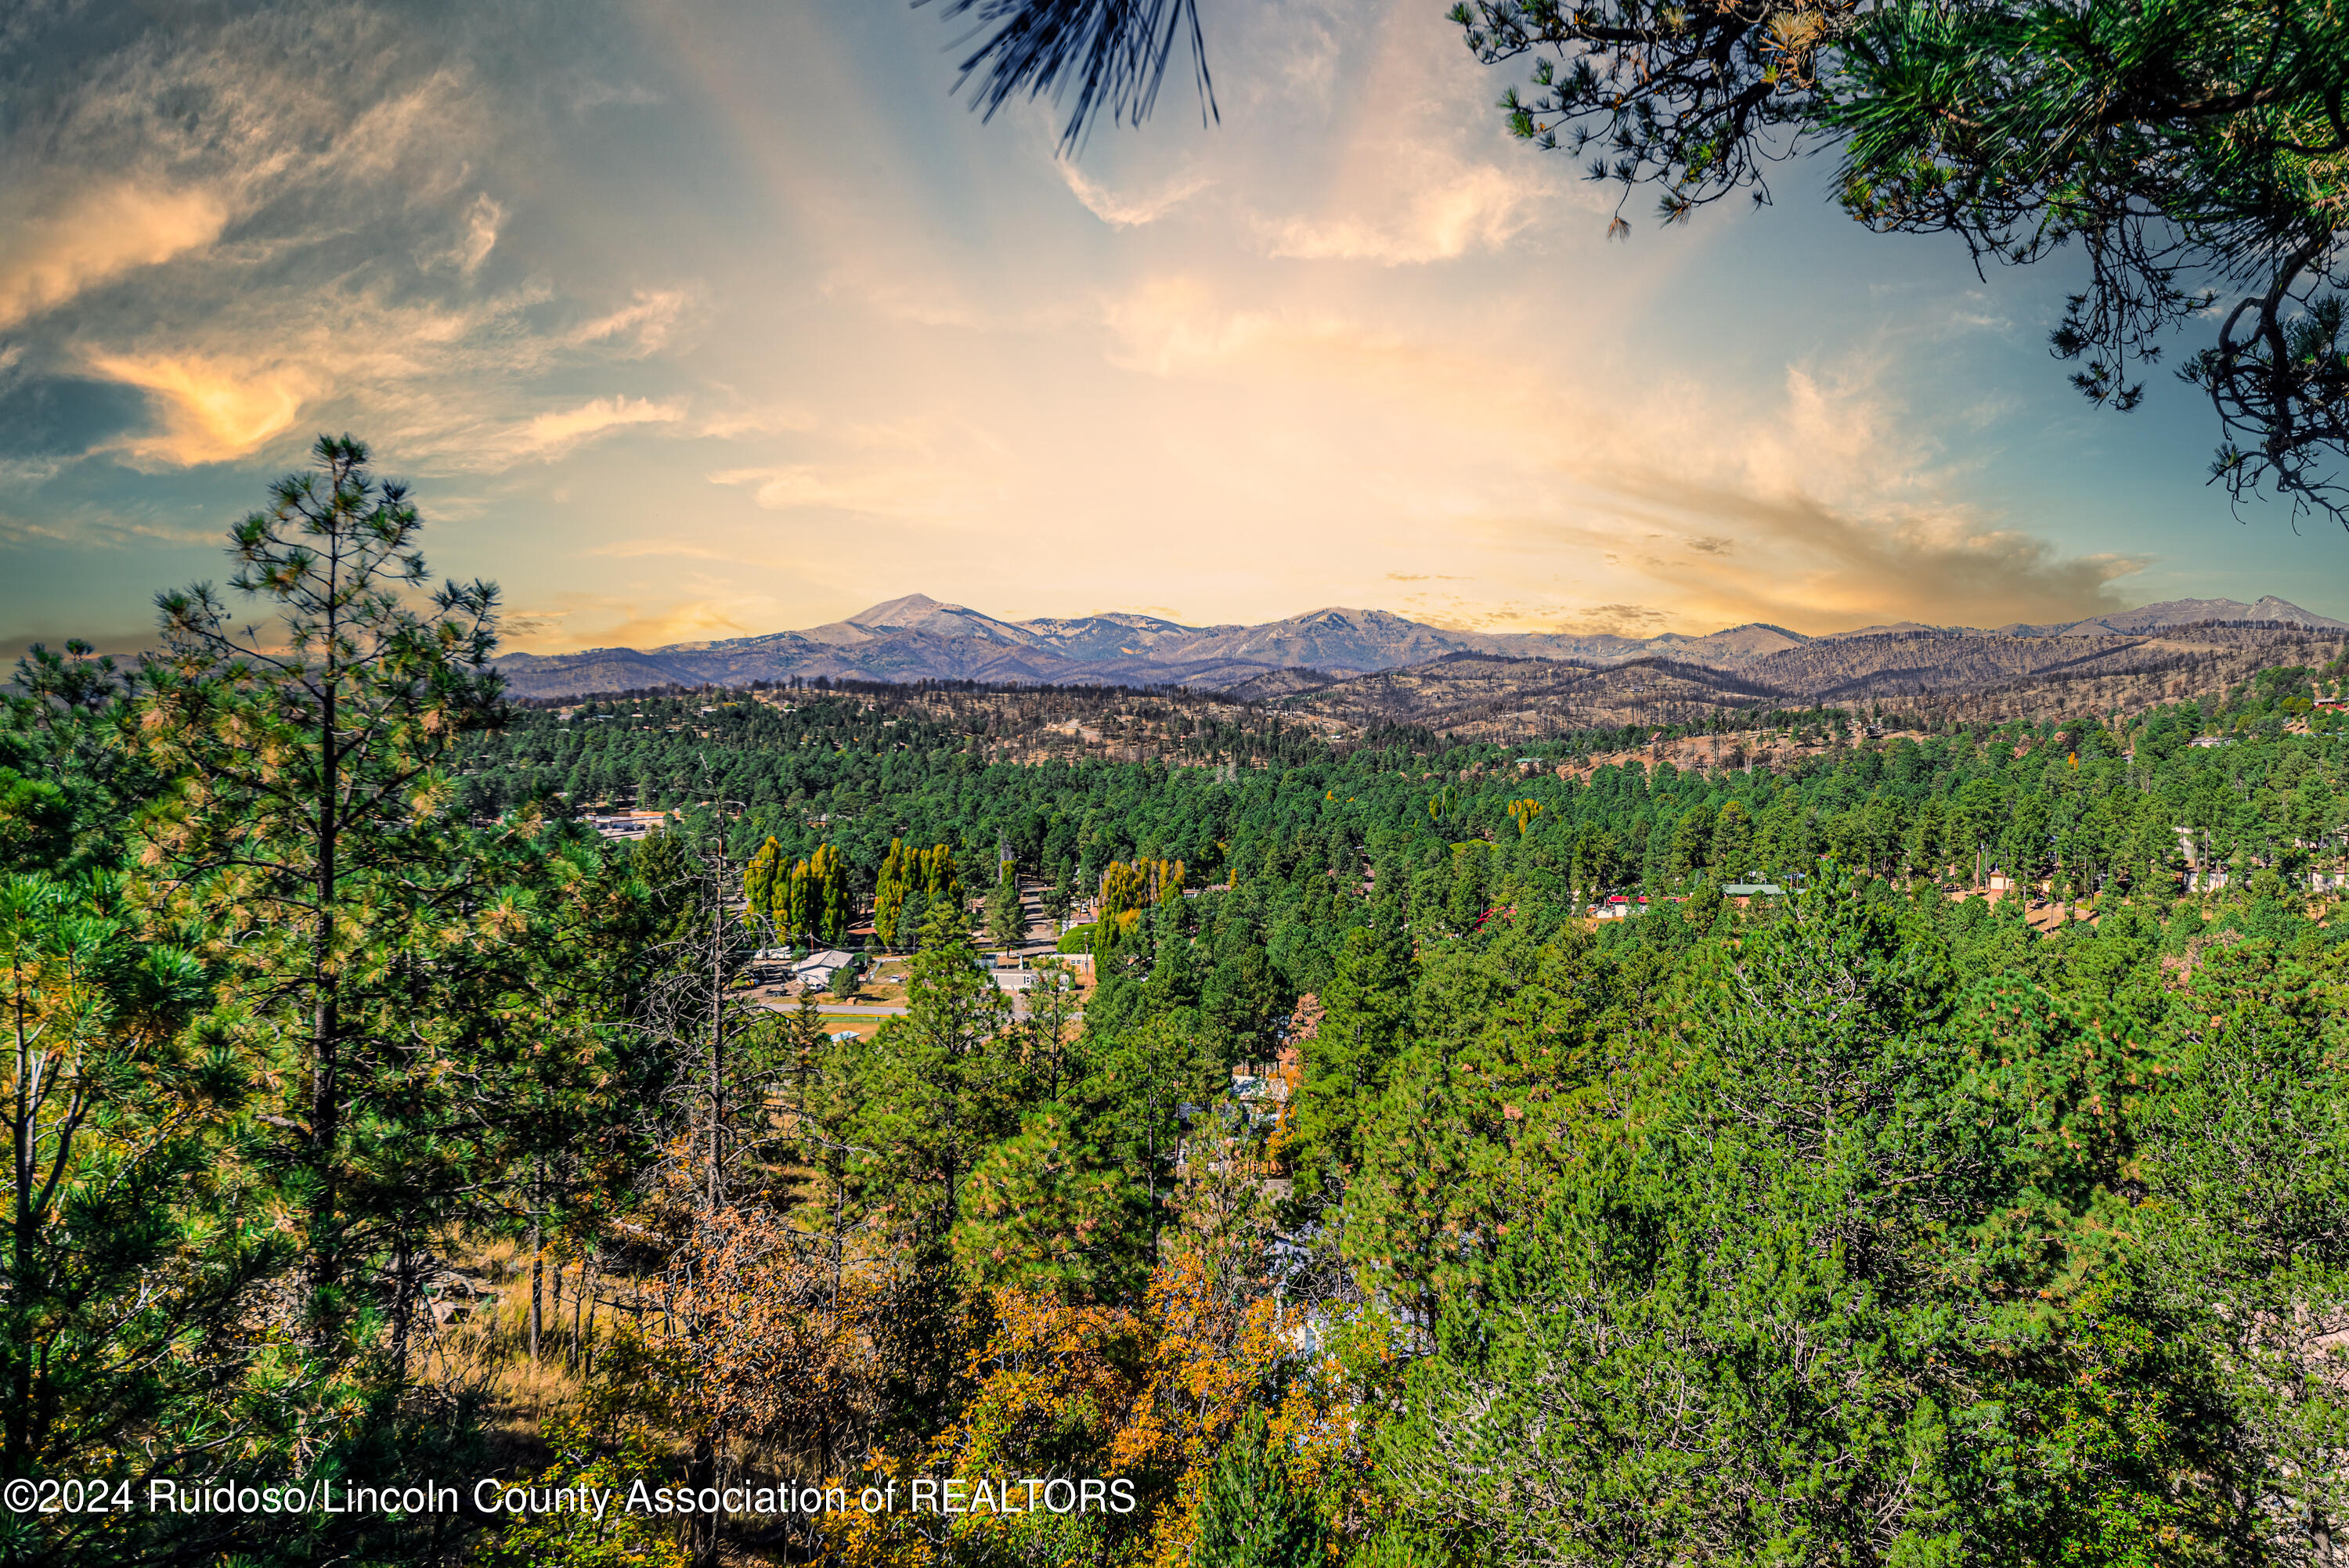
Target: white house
(816, 970)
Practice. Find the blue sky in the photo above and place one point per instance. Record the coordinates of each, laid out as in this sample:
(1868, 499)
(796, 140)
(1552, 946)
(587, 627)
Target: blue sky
(696, 320)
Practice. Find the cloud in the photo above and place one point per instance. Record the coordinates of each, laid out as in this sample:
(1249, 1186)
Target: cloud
(942, 470)
(89, 236)
(1429, 207)
(210, 410)
(1826, 506)
(1177, 325)
(481, 221)
(773, 420)
(1423, 171)
(1121, 213)
(123, 643)
(566, 621)
(552, 433)
(468, 245)
(423, 380)
(1830, 569)
(1657, 502)
(885, 490)
(594, 95)
(290, 210)
(1384, 334)
(691, 620)
(644, 325)
(111, 526)
(1617, 621)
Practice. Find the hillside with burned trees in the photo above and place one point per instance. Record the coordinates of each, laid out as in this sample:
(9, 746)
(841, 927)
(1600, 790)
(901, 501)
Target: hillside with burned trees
(1925, 676)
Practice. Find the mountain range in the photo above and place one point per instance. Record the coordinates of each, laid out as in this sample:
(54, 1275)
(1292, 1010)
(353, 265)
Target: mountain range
(920, 638)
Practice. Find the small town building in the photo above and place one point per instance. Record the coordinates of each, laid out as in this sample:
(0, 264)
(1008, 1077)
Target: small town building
(816, 970)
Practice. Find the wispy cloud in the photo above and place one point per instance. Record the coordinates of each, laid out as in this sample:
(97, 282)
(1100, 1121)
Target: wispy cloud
(260, 247)
(868, 488)
(641, 326)
(52, 250)
(1421, 172)
(1617, 621)
(1426, 207)
(767, 420)
(553, 433)
(1129, 211)
(482, 222)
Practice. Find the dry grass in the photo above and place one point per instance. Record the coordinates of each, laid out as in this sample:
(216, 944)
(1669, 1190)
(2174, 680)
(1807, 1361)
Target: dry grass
(483, 1344)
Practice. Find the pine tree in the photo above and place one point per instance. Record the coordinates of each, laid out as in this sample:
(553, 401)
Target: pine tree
(1049, 1209)
(1007, 917)
(218, 1256)
(1366, 1021)
(934, 1079)
(134, 1229)
(1062, 899)
(1251, 1514)
(320, 756)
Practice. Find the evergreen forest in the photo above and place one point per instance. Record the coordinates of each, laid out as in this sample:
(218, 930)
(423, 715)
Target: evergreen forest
(1930, 1149)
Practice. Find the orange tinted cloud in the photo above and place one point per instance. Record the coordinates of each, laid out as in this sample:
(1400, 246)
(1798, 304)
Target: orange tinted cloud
(209, 410)
(90, 236)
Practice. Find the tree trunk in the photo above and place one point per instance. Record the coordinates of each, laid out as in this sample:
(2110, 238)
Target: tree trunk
(326, 1104)
(20, 1350)
(403, 1303)
(588, 1339)
(716, 1016)
(702, 1471)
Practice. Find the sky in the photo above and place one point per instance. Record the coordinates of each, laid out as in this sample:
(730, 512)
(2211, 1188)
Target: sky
(709, 318)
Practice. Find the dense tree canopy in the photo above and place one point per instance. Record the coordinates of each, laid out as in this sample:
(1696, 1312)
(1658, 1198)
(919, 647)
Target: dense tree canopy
(1942, 1159)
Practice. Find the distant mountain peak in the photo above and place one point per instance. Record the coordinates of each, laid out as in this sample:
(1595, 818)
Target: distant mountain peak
(916, 637)
(2271, 608)
(2188, 611)
(900, 612)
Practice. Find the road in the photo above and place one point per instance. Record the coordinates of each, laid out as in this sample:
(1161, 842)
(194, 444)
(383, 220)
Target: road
(875, 1009)
(790, 1004)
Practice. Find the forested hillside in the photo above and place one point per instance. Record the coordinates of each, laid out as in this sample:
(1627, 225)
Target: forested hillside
(1363, 1201)
(1244, 793)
